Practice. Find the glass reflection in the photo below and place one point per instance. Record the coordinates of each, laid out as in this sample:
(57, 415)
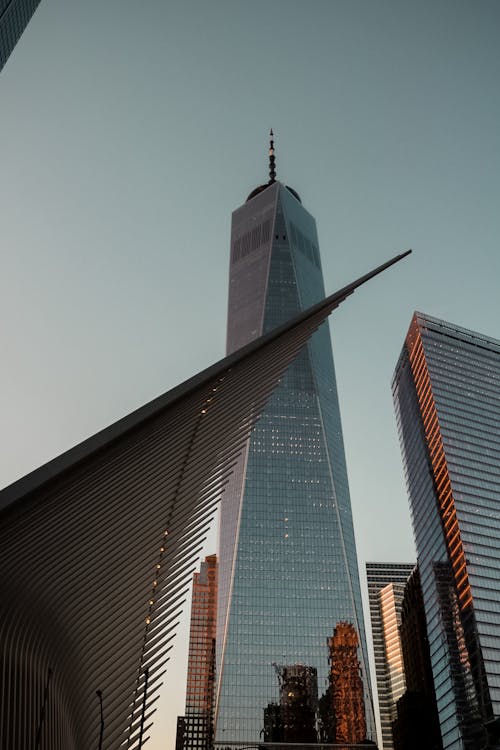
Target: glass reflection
(338, 716)
(288, 565)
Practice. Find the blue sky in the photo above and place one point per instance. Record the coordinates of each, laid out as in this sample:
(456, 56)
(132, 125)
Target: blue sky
(130, 131)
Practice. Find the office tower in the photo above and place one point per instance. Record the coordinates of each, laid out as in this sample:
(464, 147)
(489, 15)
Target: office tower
(195, 729)
(14, 17)
(97, 548)
(386, 582)
(445, 388)
(288, 570)
(416, 725)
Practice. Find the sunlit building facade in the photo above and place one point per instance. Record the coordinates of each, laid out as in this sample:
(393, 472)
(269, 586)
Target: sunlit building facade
(446, 391)
(195, 729)
(386, 583)
(391, 597)
(287, 560)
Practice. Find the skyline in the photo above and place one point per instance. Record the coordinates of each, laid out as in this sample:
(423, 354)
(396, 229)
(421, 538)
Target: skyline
(115, 524)
(391, 142)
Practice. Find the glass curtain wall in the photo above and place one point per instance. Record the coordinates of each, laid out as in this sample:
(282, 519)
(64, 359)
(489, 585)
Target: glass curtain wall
(288, 564)
(446, 392)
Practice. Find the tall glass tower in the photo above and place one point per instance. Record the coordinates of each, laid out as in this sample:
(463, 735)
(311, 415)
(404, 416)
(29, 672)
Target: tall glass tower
(195, 729)
(288, 570)
(446, 391)
(386, 584)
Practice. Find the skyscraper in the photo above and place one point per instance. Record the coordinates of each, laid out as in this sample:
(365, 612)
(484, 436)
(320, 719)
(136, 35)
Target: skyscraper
(14, 17)
(386, 582)
(446, 392)
(195, 729)
(288, 570)
(115, 525)
(417, 724)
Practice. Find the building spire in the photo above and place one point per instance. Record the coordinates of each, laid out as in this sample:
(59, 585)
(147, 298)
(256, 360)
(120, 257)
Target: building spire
(272, 160)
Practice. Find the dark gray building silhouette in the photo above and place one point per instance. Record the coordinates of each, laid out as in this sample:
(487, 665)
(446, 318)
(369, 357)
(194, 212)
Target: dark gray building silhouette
(417, 723)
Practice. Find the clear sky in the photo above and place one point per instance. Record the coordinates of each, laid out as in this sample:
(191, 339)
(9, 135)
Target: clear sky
(130, 131)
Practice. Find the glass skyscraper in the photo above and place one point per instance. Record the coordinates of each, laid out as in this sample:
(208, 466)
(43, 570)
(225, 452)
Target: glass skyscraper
(417, 723)
(288, 570)
(386, 583)
(195, 729)
(447, 396)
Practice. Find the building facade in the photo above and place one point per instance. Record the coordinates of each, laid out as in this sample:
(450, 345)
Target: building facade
(446, 393)
(386, 582)
(288, 564)
(14, 17)
(115, 526)
(416, 724)
(195, 729)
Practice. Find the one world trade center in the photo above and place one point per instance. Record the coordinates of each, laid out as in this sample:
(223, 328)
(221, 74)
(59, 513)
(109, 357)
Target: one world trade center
(291, 650)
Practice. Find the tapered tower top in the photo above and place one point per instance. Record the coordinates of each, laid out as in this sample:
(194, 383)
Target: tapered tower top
(272, 173)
